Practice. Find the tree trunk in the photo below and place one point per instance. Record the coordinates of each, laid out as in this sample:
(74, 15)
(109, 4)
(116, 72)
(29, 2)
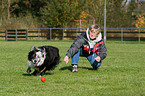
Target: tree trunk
(9, 9)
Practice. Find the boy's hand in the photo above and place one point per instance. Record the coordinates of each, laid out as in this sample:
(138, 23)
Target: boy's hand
(66, 59)
(98, 59)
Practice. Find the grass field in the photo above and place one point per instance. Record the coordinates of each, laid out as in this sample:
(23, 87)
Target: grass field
(121, 74)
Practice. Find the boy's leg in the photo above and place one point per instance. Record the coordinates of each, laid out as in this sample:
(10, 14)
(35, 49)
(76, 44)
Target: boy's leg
(75, 58)
(93, 62)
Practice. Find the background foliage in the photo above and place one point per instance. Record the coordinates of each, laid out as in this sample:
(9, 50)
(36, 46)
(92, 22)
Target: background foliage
(140, 22)
(68, 13)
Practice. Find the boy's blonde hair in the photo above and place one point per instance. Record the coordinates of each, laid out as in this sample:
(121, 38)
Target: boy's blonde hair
(94, 28)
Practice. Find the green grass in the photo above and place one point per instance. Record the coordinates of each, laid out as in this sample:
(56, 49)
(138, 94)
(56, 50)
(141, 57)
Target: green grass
(121, 74)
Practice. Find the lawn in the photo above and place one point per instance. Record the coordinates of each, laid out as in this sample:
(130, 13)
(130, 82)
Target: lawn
(121, 74)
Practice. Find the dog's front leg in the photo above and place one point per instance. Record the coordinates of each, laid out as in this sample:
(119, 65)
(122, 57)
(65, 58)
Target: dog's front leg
(35, 73)
(43, 71)
(28, 69)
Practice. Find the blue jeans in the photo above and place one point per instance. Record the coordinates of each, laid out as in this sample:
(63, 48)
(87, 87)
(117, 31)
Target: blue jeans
(90, 57)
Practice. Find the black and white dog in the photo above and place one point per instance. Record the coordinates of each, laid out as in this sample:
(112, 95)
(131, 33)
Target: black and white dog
(42, 59)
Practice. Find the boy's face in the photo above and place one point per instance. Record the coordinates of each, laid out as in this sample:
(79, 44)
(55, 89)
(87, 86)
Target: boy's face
(93, 34)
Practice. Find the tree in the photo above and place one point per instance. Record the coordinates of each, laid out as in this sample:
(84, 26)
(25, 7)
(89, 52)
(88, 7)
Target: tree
(117, 17)
(60, 13)
(95, 8)
(24, 7)
(140, 23)
(20, 13)
(5, 10)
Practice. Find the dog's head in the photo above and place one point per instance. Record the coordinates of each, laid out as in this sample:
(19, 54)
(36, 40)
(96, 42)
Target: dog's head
(36, 57)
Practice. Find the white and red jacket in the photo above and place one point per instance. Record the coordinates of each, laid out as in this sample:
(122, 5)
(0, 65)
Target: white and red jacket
(88, 45)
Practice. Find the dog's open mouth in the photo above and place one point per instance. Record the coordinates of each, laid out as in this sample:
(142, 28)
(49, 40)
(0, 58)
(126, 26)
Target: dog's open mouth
(36, 61)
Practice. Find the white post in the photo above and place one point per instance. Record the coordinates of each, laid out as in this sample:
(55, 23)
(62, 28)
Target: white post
(105, 22)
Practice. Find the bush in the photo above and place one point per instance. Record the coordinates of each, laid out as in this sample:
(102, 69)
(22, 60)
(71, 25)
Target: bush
(21, 22)
(140, 22)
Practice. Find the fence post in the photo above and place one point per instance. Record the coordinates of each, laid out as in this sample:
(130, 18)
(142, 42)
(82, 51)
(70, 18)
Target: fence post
(139, 36)
(26, 34)
(6, 34)
(39, 34)
(50, 33)
(16, 34)
(121, 35)
(63, 34)
(76, 33)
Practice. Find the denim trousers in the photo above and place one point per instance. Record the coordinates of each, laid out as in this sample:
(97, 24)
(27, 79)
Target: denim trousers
(90, 57)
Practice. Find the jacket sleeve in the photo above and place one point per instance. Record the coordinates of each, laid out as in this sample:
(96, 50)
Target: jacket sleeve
(102, 51)
(77, 44)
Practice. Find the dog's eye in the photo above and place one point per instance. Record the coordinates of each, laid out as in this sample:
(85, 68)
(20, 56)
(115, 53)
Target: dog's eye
(34, 55)
(37, 50)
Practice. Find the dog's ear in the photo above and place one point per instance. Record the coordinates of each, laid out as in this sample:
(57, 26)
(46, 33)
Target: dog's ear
(33, 48)
(43, 50)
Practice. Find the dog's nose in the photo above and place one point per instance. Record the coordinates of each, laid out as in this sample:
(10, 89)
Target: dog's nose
(35, 61)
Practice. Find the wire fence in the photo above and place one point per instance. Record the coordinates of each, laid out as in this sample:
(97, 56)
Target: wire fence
(120, 34)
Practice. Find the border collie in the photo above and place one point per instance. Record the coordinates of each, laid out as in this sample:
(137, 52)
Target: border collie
(42, 59)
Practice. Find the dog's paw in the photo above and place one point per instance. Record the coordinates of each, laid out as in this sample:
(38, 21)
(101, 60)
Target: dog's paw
(28, 70)
(42, 73)
(32, 75)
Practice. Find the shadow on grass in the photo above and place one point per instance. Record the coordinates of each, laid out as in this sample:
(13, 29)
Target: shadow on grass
(70, 68)
(88, 68)
(26, 74)
(66, 68)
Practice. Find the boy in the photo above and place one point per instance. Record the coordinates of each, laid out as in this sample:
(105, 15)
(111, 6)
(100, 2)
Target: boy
(90, 45)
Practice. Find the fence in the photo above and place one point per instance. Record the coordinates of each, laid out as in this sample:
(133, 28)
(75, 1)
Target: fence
(121, 34)
(15, 34)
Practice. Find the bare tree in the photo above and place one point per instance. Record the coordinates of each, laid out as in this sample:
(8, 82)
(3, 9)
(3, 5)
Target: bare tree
(9, 2)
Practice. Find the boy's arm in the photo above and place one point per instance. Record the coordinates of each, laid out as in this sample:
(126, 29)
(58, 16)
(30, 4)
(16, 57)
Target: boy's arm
(102, 51)
(75, 46)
